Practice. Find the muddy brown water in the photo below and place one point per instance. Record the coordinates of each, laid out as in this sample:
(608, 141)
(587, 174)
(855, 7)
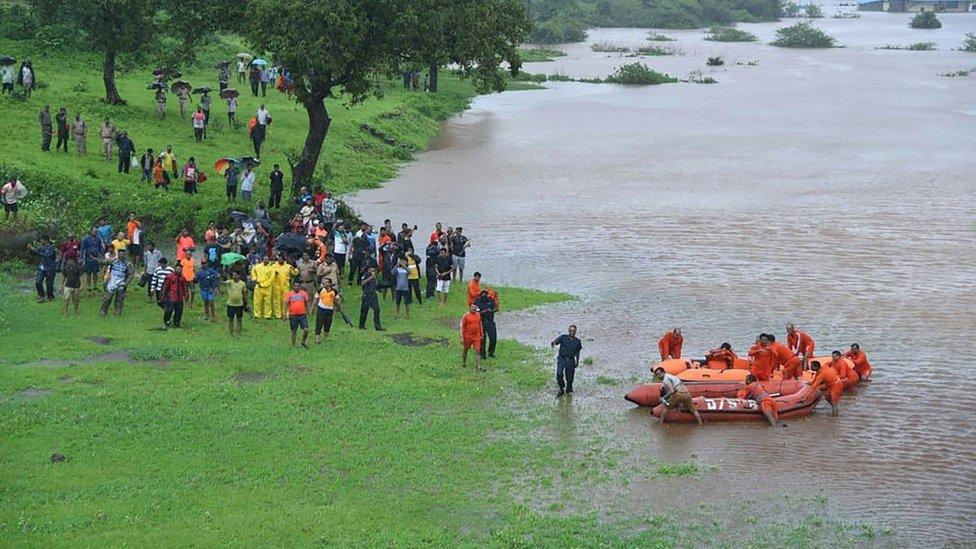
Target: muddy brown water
(831, 188)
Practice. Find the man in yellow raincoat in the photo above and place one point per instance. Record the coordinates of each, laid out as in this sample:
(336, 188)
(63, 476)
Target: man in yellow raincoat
(284, 272)
(263, 275)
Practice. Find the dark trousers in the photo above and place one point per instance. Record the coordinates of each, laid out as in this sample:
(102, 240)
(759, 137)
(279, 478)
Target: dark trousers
(275, 200)
(264, 89)
(355, 267)
(323, 320)
(198, 134)
(340, 260)
(491, 334)
(44, 283)
(367, 304)
(173, 312)
(119, 295)
(254, 87)
(431, 285)
(124, 160)
(46, 139)
(415, 288)
(62, 142)
(565, 367)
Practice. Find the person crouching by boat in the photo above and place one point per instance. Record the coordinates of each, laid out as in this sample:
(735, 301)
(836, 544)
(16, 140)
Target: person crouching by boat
(724, 354)
(568, 359)
(670, 344)
(860, 360)
(829, 381)
(753, 391)
(675, 395)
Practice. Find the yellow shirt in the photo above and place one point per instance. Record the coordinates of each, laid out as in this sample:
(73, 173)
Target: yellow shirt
(118, 244)
(284, 274)
(413, 272)
(263, 275)
(327, 299)
(169, 161)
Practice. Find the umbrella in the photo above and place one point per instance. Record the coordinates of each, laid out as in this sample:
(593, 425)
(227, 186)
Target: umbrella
(7, 60)
(204, 89)
(242, 217)
(291, 242)
(222, 63)
(250, 161)
(259, 62)
(180, 84)
(221, 165)
(228, 93)
(229, 258)
(156, 86)
(245, 56)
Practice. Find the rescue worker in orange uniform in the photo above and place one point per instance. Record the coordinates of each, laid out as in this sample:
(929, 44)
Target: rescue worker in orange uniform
(763, 358)
(828, 381)
(786, 359)
(724, 355)
(860, 360)
(471, 334)
(845, 369)
(670, 344)
(474, 288)
(753, 391)
(800, 343)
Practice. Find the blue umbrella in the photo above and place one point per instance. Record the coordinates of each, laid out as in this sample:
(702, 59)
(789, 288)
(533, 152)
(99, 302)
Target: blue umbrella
(259, 62)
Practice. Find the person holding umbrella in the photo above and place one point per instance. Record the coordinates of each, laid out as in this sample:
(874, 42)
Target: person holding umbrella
(230, 95)
(7, 74)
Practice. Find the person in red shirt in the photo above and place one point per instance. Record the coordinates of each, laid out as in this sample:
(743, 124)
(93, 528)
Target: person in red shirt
(670, 344)
(785, 359)
(724, 355)
(474, 288)
(763, 358)
(471, 334)
(860, 360)
(845, 369)
(800, 343)
(297, 301)
(174, 294)
(753, 391)
(436, 235)
(71, 248)
(828, 380)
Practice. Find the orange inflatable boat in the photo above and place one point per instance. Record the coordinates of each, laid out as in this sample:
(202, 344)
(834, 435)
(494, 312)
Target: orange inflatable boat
(716, 401)
(716, 370)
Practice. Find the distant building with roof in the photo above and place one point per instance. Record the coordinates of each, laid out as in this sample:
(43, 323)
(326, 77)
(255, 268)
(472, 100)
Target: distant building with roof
(960, 6)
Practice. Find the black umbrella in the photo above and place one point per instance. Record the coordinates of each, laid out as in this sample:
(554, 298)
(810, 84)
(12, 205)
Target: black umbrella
(242, 218)
(291, 242)
(7, 60)
(250, 161)
(228, 93)
(180, 84)
(156, 86)
(204, 89)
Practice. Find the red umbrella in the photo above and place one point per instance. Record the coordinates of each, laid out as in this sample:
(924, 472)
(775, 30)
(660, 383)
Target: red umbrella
(221, 165)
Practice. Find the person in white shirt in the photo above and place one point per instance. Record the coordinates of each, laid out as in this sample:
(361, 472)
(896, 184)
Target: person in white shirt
(8, 79)
(247, 184)
(11, 192)
(675, 394)
(232, 112)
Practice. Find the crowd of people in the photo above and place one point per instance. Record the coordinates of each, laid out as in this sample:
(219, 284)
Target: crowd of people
(300, 272)
(765, 357)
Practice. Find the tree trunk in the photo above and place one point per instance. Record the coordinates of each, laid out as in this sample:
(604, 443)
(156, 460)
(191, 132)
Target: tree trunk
(318, 127)
(108, 76)
(432, 76)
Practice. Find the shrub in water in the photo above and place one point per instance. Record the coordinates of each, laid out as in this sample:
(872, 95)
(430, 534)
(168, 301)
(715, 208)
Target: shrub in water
(657, 37)
(802, 35)
(609, 47)
(813, 11)
(638, 74)
(969, 44)
(729, 34)
(925, 20)
(715, 62)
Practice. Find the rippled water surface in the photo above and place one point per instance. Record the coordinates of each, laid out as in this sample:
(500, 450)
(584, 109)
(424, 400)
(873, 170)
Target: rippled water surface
(831, 188)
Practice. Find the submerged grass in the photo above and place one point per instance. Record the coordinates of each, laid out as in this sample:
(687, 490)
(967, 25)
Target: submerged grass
(609, 47)
(917, 46)
(539, 54)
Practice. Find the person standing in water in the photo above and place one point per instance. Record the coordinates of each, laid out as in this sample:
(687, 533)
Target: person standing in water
(567, 359)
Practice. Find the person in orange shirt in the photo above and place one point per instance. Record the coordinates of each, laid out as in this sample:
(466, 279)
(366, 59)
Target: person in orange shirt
(828, 380)
(133, 232)
(297, 303)
(724, 355)
(785, 359)
(763, 358)
(800, 343)
(471, 334)
(321, 249)
(670, 344)
(860, 360)
(189, 273)
(474, 288)
(845, 369)
(752, 391)
(183, 242)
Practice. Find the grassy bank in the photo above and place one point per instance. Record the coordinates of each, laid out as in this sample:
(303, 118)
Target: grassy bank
(365, 145)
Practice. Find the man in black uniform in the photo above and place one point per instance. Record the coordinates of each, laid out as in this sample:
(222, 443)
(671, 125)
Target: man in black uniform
(487, 307)
(369, 300)
(433, 250)
(568, 359)
(277, 187)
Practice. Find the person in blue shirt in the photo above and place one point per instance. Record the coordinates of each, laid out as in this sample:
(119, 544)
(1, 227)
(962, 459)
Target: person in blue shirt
(46, 268)
(209, 279)
(105, 232)
(567, 359)
(92, 251)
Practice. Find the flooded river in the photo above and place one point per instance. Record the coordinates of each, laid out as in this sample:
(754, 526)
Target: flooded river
(831, 188)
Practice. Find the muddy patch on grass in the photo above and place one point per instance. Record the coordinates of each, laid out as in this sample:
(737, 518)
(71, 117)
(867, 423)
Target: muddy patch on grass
(99, 340)
(410, 340)
(114, 356)
(33, 392)
(250, 377)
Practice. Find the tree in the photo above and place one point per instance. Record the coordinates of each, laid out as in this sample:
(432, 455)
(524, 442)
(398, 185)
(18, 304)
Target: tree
(925, 20)
(111, 26)
(341, 46)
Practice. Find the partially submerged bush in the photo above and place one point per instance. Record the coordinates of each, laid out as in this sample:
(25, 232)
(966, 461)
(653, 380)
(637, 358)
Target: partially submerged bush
(729, 34)
(802, 35)
(813, 11)
(699, 77)
(969, 44)
(715, 61)
(609, 47)
(638, 74)
(917, 46)
(658, 37)
(925, 20)
(658, 50)
(536, 55)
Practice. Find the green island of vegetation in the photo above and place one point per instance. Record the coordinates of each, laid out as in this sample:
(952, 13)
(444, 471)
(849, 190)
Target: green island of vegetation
(728, 33)
(802, 35)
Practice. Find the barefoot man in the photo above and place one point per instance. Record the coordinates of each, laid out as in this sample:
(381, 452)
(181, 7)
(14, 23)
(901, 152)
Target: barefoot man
(471, 334)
